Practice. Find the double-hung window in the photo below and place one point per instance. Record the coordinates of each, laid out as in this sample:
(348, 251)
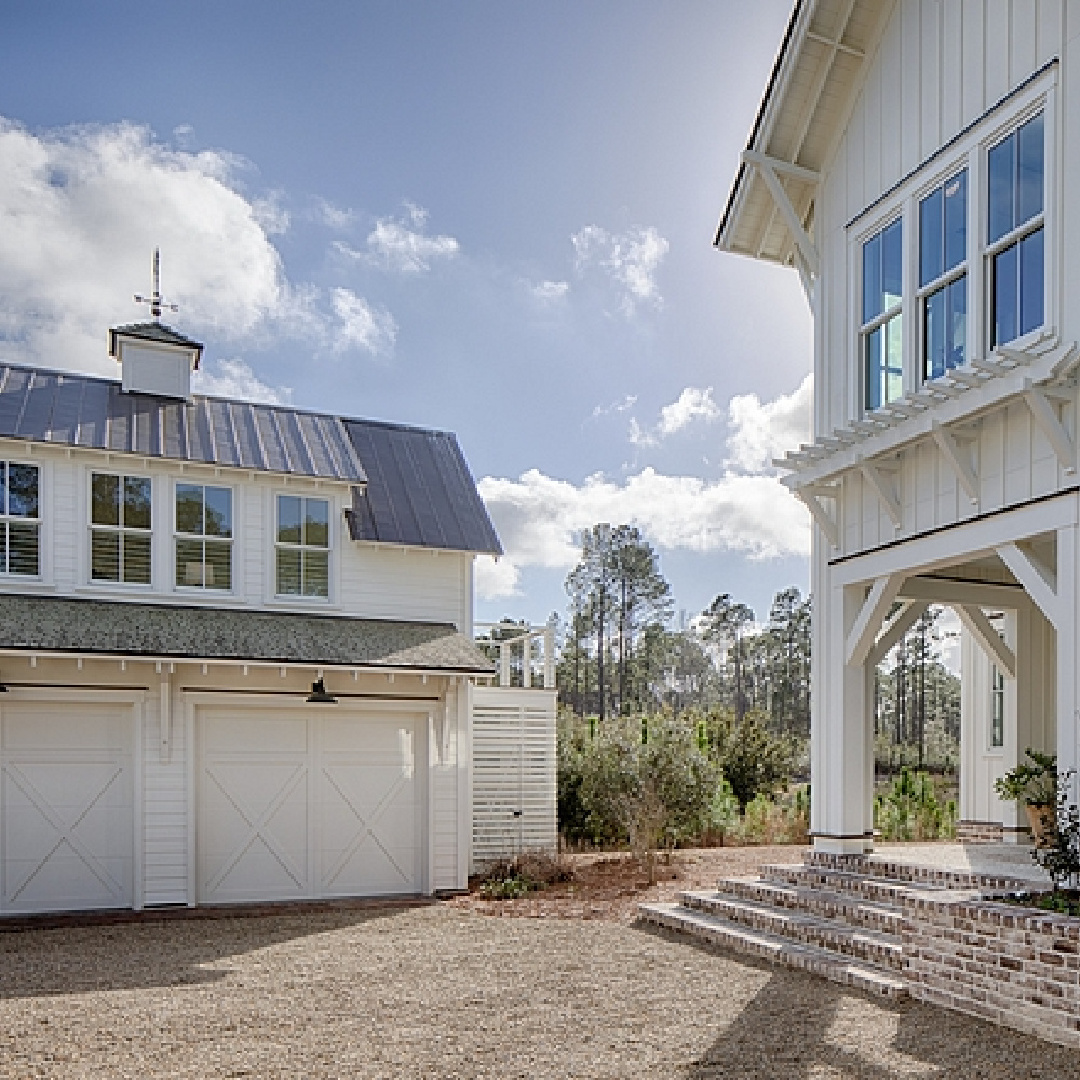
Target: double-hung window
(943, 276)
(204, 534)
(20, 519)
(120, 528)
(882, 332)
(303, 546)
(1015, 232)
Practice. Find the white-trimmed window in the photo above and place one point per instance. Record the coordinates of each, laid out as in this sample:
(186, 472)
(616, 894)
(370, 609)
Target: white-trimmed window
(997, 709)
(1015, 167)
(943, 278)
(204, 537)
(20, 519)
(882, 333)
(302, 547)
(120, 528)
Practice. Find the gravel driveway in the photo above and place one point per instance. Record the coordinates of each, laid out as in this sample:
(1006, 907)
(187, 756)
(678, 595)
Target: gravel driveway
(441, 992)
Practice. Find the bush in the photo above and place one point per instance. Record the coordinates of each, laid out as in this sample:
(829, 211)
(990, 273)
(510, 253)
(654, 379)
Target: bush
(509, 879)
(775, 821)
(754, 760)
(911, 810)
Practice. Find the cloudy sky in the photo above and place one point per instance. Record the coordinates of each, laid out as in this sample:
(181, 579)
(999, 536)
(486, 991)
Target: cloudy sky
(492, 217)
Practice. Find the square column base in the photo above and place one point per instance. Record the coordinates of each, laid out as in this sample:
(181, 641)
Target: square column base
(843, 845)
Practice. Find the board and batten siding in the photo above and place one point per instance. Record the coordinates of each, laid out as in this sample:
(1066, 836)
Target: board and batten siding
(938, 68)
(165, 801)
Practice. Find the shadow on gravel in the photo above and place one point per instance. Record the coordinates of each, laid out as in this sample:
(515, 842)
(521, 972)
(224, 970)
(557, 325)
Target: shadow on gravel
(146, 954)
(800, 1026)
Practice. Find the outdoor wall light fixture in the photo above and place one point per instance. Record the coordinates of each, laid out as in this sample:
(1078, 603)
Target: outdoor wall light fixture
(319, 694)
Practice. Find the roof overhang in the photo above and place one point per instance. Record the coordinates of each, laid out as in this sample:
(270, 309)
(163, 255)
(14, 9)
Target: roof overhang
(818, 71)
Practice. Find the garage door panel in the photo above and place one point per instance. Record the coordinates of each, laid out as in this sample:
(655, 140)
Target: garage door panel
(66, 800)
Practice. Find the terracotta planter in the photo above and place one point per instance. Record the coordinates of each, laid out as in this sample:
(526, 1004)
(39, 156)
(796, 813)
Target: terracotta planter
(1041, 820)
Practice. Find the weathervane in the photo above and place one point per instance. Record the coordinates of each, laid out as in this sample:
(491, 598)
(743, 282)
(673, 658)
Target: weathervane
(155, 300)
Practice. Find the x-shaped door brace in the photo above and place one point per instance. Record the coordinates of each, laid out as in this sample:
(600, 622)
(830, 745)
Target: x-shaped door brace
(65, 831)
(257, 829)
(367, 828)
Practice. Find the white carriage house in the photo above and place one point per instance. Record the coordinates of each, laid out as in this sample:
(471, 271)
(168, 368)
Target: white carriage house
(918, 163)
(176, 572)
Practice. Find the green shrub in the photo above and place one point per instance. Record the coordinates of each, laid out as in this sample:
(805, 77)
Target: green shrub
(910, 810)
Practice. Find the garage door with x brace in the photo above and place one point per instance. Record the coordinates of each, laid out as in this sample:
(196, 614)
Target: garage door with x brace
(66, 806)
(294, 806)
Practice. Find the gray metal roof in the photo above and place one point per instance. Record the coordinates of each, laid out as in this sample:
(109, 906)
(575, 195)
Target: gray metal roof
(419, 490)
(163, 631)
(151, 331)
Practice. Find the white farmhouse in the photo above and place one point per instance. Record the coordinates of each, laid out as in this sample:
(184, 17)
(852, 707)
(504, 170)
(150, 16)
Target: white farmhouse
(236, 649)
(918, 164)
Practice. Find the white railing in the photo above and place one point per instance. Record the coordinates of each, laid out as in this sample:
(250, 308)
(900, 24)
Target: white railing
(535, 645)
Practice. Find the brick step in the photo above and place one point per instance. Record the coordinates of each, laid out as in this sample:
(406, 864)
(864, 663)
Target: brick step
(880, 866)
(884, 950)
(857, 974)
(880, 890)
(853, 910)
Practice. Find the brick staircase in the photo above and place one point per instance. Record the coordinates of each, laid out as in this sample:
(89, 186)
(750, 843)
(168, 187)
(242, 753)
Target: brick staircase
(842, 917)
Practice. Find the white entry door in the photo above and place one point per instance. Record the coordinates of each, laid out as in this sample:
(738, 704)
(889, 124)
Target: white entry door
(66, 805)
(294, 805)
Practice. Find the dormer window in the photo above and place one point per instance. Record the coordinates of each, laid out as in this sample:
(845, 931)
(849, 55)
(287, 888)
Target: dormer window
(943, 276)
(1015, 232)
(20, 519)
(882, 333)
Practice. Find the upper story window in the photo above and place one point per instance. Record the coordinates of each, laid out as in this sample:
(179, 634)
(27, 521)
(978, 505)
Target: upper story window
(20, 519)
(943, 276)
(120, 528)
(882, 332)
(302, 546)
(1015, 232)
(204, 532)
(997, 710)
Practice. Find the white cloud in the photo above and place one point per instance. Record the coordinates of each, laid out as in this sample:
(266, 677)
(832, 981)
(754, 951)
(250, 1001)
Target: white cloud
(746, 510)
(550, 291)
(631, 259)
(334, 217)
(235, 379)
(81, 210)
(625, 405)
(496, 578)
(760, 432)
(361, 325)
(692, 404)
(400, 244)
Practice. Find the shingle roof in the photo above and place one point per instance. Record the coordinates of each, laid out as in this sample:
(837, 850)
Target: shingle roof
(54, 624)
(419, 490)
(417, 487)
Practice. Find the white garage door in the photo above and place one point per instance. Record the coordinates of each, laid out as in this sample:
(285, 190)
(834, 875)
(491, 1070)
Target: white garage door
(295, 806)
(66, 805)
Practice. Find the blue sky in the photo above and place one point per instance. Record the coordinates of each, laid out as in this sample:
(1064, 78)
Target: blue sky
(492, 217)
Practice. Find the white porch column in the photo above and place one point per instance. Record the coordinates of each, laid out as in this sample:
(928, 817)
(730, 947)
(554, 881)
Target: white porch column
(1068, 650)
(842, 744)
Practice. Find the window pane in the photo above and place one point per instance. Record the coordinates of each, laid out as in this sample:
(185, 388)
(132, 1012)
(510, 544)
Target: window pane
(218, 573)
(104, 499)
(894, 343)
(23, 491)
(872, 278)
(104, 555)
(930, 233)
(136, 559)
(218, 511)
(288, 572)
(956, 323)
(1000, 187)
(956, 220)
(189, 509)
(873, 370)
(316, 573)
(1031, 282)
(317, 522)
(892, 265)
(189, 562)
(289, 511)
(1003, 317)
(137, 502)
(23, 548)
(1029, 170)
(934, 331)
(3, 487)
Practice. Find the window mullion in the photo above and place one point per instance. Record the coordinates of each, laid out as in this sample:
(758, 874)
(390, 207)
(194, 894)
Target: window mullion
(911, 335)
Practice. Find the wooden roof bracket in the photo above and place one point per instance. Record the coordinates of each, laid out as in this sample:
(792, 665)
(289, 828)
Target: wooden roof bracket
(1043, 404)
(810, 495)
(958, 459)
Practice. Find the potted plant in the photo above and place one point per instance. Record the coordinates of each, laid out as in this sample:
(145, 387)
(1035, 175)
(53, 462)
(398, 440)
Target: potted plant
(1034, 783)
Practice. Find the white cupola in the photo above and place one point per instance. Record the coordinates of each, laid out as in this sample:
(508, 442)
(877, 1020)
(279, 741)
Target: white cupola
(153, 357)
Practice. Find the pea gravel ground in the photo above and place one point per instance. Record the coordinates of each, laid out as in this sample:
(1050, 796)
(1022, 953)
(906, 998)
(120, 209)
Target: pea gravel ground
(447, 992)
